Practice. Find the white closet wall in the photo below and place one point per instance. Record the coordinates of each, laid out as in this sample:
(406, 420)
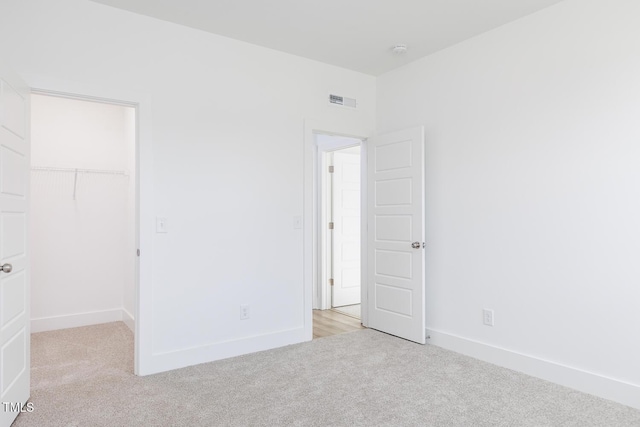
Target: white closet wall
(82, 224)
(129, 284)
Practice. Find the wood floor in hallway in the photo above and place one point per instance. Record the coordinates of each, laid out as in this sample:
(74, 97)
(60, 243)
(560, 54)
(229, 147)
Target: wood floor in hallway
(329, 322)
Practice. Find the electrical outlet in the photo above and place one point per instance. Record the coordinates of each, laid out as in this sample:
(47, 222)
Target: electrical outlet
(244, 311)
(487, 317)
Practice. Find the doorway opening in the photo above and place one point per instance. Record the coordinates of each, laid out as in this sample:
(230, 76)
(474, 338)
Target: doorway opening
(392, 229)
(84, 233)
(339, 289)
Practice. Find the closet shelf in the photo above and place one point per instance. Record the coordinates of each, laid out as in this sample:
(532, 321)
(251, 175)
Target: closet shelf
(76, 171)
(72, 170)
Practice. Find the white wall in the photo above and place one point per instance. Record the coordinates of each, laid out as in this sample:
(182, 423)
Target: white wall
(223, 124)
(533, 192)
(81, 262)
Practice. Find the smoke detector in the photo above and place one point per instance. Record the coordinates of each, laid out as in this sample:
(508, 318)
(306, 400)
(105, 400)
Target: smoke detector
(399, 49)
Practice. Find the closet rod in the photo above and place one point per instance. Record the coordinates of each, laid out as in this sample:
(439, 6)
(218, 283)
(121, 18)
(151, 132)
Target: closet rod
(72, 170)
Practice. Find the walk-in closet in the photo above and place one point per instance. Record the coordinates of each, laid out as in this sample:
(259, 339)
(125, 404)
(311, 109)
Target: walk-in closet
(82, 216)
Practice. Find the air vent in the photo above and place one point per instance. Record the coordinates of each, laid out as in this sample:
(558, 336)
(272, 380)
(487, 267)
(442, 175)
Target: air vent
(342, 101)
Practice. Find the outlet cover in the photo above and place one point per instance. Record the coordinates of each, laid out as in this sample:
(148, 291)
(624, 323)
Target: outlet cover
(487, 317)
(244, 312)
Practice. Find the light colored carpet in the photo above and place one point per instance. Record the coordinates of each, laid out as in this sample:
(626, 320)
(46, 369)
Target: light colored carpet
(83, 377)
(349, 310)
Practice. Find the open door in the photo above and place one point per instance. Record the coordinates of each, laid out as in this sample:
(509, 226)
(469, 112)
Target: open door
(395, 186)
(14, 273)
(346, 232)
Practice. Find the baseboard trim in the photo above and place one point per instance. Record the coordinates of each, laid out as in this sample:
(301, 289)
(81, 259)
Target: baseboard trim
(128, 320)
(587, 382)
(161, 362)
(53, 323)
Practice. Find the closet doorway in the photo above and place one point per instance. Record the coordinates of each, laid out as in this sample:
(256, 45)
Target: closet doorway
(83, 223)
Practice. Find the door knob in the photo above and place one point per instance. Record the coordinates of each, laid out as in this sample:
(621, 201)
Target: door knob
(6, 268)
(415, 245)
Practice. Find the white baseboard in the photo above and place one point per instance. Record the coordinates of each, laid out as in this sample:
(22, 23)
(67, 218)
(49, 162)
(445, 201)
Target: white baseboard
(587, 382)
(167, 361)
(76, 320)
(128, 320)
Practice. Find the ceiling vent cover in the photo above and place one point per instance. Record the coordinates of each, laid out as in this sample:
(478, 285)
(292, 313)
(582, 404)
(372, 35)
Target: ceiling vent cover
(342, 101)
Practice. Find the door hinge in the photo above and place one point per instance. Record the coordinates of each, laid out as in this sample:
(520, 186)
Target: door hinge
(330, 282)
(331, 226)
(138, 252)
(331, 169)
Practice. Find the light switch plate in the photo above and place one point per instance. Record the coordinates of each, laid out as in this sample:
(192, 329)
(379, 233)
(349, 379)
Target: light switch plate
(161, 225)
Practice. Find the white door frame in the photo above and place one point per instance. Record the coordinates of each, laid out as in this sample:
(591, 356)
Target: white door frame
(322, 290)
(311, 241)
(143, 207)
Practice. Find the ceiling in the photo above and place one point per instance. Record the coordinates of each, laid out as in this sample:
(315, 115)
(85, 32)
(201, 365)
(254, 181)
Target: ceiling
(354, 34)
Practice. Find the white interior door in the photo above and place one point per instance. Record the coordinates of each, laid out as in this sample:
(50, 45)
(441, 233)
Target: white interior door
(14, 277)
(395, 185)
(346, 230)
